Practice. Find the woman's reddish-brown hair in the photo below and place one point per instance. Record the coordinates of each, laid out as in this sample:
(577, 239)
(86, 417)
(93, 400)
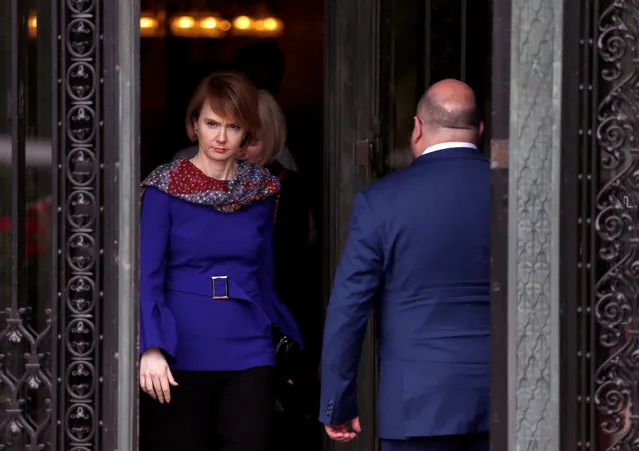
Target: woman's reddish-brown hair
(231, 96)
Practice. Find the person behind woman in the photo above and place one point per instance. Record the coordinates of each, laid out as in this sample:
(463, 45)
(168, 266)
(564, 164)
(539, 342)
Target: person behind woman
(206, 275)
(296, 425)
(292, 229)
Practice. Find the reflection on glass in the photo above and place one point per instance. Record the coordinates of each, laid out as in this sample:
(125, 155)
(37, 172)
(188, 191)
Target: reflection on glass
(25, 347)
(5, 205)
(5, 160)
(38, 207)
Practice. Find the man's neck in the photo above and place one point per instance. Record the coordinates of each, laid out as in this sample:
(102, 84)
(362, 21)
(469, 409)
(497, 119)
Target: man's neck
(447, 145)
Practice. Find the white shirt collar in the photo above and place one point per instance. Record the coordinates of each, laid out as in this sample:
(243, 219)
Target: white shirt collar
(449, 145)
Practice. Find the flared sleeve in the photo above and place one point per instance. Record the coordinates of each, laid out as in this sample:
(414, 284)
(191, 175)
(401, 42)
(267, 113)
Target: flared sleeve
(275, 309)
(157, 324)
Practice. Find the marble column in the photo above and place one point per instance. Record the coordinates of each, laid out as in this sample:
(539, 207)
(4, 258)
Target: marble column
(533, 223)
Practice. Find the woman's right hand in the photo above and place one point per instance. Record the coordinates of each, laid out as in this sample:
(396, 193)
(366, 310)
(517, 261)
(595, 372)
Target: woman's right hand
(155, 375)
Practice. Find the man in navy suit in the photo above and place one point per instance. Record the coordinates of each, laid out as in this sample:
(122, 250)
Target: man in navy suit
(418, 251)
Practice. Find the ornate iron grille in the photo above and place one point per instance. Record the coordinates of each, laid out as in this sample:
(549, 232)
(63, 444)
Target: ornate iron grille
(606, 304)
(50, 353)
(26, 382)
(79, 245)
(616, 291)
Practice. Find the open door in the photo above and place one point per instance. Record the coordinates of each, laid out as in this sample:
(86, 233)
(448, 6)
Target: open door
(352, 138)
(66, 357)
(380, 57)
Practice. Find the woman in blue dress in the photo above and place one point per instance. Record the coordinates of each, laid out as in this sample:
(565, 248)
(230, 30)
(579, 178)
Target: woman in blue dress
(206, 275)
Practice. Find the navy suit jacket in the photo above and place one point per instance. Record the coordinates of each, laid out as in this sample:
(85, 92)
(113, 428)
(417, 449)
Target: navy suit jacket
(418, 250)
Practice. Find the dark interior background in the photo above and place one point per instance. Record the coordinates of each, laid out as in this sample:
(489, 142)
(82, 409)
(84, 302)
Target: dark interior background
(171, 68)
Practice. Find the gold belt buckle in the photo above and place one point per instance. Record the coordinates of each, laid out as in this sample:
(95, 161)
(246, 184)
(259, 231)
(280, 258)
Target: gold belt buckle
(226, 287)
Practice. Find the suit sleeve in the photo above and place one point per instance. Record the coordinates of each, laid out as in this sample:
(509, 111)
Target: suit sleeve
(275, 309)
(358, 278)
(157, 324)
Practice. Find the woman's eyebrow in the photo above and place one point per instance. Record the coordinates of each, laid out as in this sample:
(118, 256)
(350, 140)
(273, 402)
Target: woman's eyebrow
(212, 119)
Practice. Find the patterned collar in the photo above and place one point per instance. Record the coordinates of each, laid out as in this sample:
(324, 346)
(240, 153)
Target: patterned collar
(182, 179)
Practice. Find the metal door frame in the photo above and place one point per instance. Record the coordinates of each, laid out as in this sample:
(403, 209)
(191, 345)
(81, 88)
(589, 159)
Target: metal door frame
(499, 126)
(85, 357)
(96, 115)
(351, 118)
(359, 121)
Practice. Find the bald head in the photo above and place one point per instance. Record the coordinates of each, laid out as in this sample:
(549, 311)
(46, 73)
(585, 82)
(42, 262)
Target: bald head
(449, 104)
(447, 112)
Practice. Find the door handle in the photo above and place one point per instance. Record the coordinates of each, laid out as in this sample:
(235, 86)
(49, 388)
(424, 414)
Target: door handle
(366, 155)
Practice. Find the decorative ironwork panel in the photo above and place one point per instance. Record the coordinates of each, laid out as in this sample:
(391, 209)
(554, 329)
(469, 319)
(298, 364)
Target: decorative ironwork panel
(603, 315)
(26, 381)
(79, 243)
(54, 324)
(615, 314)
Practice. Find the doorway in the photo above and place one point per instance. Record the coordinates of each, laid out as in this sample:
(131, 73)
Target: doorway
(279, 45)
(354, 71)
(380, 57)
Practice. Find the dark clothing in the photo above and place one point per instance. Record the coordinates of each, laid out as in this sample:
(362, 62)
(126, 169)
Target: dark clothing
(211, 411)
(296, 427)
(291, 251)
(418, 251)
(469, 442)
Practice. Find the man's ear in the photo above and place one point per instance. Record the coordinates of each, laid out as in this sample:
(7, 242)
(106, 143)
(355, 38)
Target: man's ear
(417, 131)
(481, 129)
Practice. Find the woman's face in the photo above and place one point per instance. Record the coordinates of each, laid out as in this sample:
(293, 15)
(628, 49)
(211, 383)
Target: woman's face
(218, 138)
(254, 152)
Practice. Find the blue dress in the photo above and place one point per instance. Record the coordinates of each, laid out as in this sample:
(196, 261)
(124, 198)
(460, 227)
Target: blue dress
(183, 247)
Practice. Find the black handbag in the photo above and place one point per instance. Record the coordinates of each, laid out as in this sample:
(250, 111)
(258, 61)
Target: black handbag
(299, 398)
(287, 352)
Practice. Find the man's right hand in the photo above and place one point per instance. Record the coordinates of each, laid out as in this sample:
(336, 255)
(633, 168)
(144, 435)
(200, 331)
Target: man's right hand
(155, 375)
(341, 432)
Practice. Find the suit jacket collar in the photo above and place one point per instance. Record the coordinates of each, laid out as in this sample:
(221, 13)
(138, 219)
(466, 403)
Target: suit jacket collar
(452, 152)
(448, 145)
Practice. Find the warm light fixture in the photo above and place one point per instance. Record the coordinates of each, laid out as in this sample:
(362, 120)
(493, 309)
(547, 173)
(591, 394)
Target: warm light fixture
(271, 24)
(148, 22)
(150, 27)
(247, 26)
(185, 22)
(33, 26)
(242, 23)
(209, 23)
(198, 26)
